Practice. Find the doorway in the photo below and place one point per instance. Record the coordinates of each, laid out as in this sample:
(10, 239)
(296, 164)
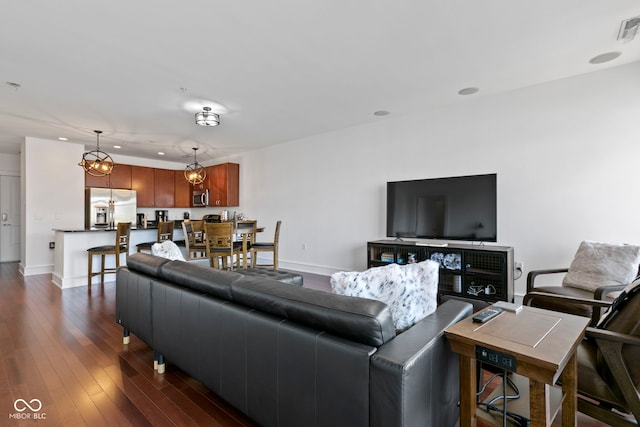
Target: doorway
(9, 218)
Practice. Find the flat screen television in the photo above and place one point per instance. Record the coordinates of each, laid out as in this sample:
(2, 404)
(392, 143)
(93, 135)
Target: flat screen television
(455, 208)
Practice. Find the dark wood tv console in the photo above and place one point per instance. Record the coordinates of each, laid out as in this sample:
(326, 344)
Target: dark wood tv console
(477, 271)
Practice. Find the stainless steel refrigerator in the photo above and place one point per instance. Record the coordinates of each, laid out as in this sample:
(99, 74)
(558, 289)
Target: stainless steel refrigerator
(105, 207)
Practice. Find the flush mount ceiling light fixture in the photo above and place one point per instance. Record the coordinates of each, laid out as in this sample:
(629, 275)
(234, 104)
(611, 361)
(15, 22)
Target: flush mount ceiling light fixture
(207, 118)
(195, 173)
(96, 162)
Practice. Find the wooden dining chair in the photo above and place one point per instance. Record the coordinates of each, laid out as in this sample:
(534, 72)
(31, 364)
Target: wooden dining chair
(246, 229)
(165, 232)
(246, 224)
(194, 239)
(121, 246)
(220, 244)
(266, 247)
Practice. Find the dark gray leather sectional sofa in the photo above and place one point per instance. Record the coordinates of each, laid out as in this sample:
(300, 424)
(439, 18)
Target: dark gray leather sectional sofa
(291, 356)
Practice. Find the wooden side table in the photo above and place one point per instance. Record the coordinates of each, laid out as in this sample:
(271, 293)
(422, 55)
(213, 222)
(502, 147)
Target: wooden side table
(543, 344)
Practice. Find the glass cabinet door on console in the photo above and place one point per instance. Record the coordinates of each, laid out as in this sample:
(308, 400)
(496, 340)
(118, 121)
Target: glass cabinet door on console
(386, 254)
(484, 277)
(450, 274)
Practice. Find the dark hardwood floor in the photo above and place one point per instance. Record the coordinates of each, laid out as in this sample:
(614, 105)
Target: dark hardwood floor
(64, 349)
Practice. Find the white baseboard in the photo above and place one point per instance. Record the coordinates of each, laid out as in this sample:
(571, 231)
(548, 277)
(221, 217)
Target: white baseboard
(307, 268)
(33, 271)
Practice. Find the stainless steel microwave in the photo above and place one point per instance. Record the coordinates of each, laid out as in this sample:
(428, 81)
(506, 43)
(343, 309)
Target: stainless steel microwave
(200, 198)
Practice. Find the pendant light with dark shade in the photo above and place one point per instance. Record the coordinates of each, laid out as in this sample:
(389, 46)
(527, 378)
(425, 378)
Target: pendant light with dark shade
(195, 173)
(97, 162)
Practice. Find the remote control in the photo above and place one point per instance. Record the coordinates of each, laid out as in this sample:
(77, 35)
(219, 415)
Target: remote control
(486, 314)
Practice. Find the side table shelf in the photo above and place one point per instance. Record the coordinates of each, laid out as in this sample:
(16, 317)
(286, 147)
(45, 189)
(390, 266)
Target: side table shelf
(471, 271)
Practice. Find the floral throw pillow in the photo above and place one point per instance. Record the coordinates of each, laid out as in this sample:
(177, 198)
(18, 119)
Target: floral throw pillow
(167, 249)
(409, 290)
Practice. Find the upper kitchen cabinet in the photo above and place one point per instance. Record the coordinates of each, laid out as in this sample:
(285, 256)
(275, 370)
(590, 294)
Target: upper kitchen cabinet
(182, 190)
(143, 181)
(120, 177)
(164, 184)
(224, 184)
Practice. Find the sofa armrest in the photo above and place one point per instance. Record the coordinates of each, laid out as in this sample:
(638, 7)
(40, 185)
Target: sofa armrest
(531, 277)
(414, 377)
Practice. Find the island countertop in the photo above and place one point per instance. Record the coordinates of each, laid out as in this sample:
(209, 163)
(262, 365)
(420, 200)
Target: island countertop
(70, 267)
(82, 230)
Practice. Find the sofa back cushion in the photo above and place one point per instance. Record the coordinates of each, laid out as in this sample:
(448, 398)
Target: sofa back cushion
(358, 319)
(146, 263)
(206, 280)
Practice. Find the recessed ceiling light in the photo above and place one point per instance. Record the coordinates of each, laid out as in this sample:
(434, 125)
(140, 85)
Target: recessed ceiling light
(160, 153)
(62, 138)
(605, 57)
(381, 113)
(117, 146)
(468, 91)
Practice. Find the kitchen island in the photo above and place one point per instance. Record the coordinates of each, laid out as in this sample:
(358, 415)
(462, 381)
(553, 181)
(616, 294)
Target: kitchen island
(70, 256)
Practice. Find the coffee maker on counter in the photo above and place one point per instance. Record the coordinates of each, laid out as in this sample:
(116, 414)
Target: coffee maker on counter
(141, 220)
(161, 216)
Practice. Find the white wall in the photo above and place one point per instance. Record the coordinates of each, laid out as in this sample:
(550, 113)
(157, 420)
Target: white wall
(9, 164)
(52, 197)
(565, 153)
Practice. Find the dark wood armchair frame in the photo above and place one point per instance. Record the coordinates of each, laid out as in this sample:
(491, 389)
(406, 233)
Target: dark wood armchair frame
(599, 294)
(610, 345)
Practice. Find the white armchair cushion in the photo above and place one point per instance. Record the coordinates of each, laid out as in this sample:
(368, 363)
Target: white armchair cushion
(602, 264)
(409, 290)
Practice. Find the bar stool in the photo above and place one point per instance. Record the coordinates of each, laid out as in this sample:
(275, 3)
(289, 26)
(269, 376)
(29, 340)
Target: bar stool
(165, 232)
(121, 246)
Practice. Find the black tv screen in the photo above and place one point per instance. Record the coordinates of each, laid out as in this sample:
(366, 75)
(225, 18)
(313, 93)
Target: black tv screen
(456, 208)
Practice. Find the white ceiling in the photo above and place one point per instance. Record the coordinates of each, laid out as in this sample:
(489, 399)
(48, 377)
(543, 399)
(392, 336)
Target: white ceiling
(277, 70)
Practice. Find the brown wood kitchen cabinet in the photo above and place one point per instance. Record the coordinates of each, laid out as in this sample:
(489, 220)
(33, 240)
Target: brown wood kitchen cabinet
(120, 177)
(143, 181)
(164, 184)
(224, 184)
(166, 188)
(182, 190)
